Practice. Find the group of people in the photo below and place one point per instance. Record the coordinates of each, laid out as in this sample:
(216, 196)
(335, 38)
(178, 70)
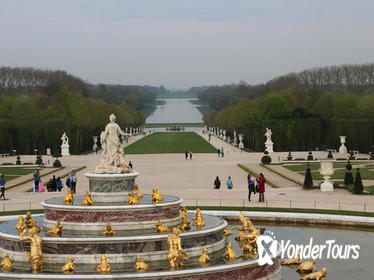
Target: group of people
(187, 154)
(220, 152)
(55, 184)
(255, 185)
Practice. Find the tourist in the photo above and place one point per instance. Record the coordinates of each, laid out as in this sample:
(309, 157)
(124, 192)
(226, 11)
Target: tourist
(229, 183)
(73, 178)
(190, 155)
(222, 152)
(2, 186)
(41, 187)
(218, 152)
(217, 183)
(251, 187)
(59, 185)
(68, 182)
(49, 185)
(36, 180)
(209, 136)
(54, 184)
(261, 187)
(130, 164)
(186, 155)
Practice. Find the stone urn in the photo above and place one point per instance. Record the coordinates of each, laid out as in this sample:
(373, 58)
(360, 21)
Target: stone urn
(241, 145)
(94, 147)
(224, 135)
(342, 148)
(326, 170)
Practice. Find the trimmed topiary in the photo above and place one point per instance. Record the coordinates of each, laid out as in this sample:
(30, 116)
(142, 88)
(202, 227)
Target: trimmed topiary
(266, 159)
(329, 155)
(289, 157)
(358, 187)
(308, 181)
(348, 177)
(18, 161)
(351, 155)
(310, 156)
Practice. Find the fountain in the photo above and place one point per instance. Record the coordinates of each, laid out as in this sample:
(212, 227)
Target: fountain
(149, 237)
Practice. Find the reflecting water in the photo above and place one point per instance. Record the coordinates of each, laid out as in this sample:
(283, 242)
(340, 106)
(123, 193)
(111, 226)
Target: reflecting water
(176, 111)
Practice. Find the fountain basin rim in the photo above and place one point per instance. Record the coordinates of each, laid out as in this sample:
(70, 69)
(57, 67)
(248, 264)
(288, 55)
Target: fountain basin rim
(111, 207)
(112, 175)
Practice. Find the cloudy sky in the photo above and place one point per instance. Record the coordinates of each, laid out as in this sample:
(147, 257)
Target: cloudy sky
(183, 43)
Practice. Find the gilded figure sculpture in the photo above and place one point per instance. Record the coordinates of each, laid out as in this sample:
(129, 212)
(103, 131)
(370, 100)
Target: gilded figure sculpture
(319, 275)
(176, 255)
(227, 232)
(109, 232)
(68, 199)
(185, 225)
(132, 199)
(140, 266)
(198, 219)
(6, 265)
(290, 261)
(29, 221)
(35, 254)
(183, 211)
(104, 266)
(20, 226)
(69, 267)
(306, 267)
(156, 197)
(161, 228)
(230, 254)
(56, 231)
(138, 193)
(113, 157)
(246, 223)
(204, 259)
(88, 200)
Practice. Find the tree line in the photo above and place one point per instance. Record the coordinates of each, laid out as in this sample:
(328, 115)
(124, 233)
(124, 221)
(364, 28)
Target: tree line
(37, 106)
(303, 114)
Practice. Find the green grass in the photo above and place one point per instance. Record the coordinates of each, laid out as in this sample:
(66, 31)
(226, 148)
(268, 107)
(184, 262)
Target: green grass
(150, 125)
(176, 95)
(10, 177)
(16, 170)
(369, 189)
(256, 175)
(21, 212)
(313, 166)
(282, 175)
(170, 142)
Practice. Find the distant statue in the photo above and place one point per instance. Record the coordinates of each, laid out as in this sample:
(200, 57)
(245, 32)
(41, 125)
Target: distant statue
(65, 139)
(112, 159)
(268, 142)
(268, 134)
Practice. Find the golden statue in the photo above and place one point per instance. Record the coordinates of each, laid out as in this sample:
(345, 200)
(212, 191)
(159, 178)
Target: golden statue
(69, 267)
(88, 200)
(138, 193)
(176, 255)
(246, 223)
(57, 231)
(104, 266)
(198, 219)
(20, 226)
(156, 197)
(6, 265)
(161, 228)
(319, 275)
(204, 259)
(109, 232)
(35, 254)
(227, 232)
(68, 199)
(306, 267)
(29, 221)
(132, 199)
(292, 260)
(185, 225)
(230, 254)
(139, 265)
(183, 211)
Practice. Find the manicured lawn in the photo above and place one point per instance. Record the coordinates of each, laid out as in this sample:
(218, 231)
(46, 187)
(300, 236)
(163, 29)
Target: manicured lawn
(11, 177)
(170, 142)
(313, 166)
(16, 170)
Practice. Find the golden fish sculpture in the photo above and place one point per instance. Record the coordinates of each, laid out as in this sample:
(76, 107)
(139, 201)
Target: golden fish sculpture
(230, 254)
(291, 261)
(68, 199)
(319, 275)
(56, 231)
(204, 259)
(156, 197)
(109, 232)
(132, 199)
(227, 232)
(138, 193)
(104, 266)
(69, 267)
(140, 266)
(88, 200)
(161, 228)
(6, 265)
(198, 219)
(306, 267)
(20, 226)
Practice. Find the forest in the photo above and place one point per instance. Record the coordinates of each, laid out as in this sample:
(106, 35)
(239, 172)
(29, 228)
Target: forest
(37, 106)
(306, 111)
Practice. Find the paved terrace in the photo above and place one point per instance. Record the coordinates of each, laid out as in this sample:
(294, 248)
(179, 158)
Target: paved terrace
(193, 180)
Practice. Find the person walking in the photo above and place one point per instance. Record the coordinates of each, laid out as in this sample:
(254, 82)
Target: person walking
(261, 187)
(251, 187)
(217, 183)
(54, 184)
(222, 152)
(68, 182)
(229, 183)
(36, 180)
(218, 152)
(73, 178)
(186, 155)
(130, 164)
(59, 185)
(190, 155)
(2, 186)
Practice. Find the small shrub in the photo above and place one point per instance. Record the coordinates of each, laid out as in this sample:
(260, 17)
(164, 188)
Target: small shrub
(341, 158)
(7, 163)
(358, 187)
(308, 181)
(266, 152)
(27, 163)
(289, 157)
(362, 159)
(310, 156)
(266, 159)
(329, 155)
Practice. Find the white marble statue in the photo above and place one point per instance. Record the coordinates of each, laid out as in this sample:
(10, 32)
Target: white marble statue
(113, 157)
(65, 139)
(65, 145)
(342, 148)
(268, 142)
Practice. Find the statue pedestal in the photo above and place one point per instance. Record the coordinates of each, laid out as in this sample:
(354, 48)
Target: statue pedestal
(342, 148)
(326, 170)
(65, 150)
(269, 147)
(111, 187)
(327, 186)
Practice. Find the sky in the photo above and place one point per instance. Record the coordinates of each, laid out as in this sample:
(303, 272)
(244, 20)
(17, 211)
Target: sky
(184, 43)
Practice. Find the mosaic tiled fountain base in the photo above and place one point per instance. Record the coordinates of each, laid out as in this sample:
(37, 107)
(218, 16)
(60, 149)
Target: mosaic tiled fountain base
(136, 235)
